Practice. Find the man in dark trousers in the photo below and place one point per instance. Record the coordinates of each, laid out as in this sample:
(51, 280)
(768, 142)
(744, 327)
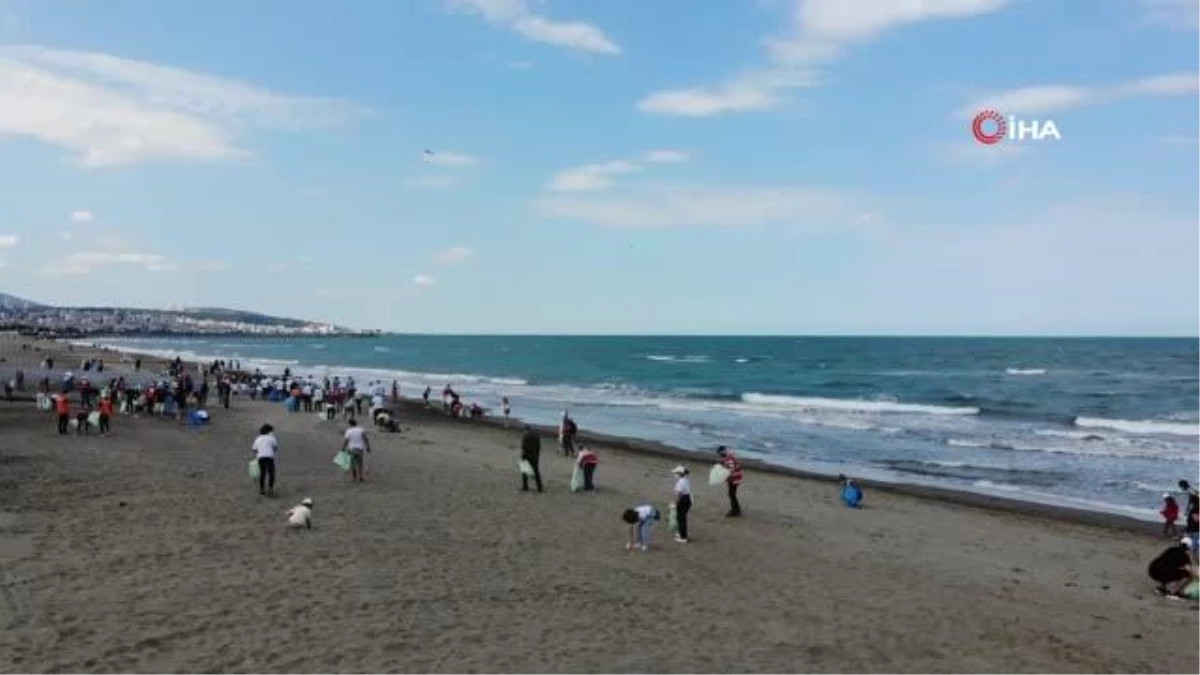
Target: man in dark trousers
(1172, 570)
(531, 451)
(730, 461)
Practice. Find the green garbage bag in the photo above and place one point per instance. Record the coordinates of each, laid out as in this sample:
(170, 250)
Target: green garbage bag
(1192, 591)
(342, 459)
(254, 470)
(577, 479)
(94, 419)
(673, 520)
(719, 474)
(526, 468)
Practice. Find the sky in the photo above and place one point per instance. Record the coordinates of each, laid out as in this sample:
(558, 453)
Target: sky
(609, 166)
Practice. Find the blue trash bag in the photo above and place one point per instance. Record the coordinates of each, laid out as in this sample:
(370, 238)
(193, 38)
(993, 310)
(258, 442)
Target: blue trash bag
(197, 418)
(852, 495)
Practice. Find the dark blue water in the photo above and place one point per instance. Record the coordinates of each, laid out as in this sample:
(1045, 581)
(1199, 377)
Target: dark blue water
(1099, 423)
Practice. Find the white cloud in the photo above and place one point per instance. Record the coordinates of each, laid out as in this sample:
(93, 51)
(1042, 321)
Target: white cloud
(110, 111)
(86, 262)
(9, 240)
(82, 217)
(1180, 140)
(1184, 14)
(67, 236)
(705, 206)
(516, 16)
(819, 33)
(1056, 98)
(666, 156)
(433, 181)
(970, 151)
(424, 280)
(448, 159)
(590, 177)
(210, 266)
(454, 255)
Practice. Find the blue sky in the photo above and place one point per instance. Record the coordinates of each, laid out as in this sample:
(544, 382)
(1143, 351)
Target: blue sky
(769, 166)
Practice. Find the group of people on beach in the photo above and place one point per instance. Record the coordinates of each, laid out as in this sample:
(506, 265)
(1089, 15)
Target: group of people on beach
(1174, 570)
(641, 517)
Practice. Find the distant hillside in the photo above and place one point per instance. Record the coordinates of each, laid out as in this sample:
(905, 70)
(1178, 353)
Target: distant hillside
(12, 302)
(26, 315)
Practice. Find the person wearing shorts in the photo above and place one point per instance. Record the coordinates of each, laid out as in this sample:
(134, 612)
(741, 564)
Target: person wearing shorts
(356, 444)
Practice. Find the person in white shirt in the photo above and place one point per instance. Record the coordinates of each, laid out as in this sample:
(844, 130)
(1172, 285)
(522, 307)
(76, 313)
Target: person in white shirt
(682, 503)
(640, 519)
(301, 516)
(355, 442)
(266, 447)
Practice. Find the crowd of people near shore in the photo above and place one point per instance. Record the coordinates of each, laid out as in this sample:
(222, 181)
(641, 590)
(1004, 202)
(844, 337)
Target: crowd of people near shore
(181, 387)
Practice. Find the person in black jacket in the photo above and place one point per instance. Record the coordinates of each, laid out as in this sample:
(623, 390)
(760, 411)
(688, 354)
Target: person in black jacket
(1172, 570)
(531, 451)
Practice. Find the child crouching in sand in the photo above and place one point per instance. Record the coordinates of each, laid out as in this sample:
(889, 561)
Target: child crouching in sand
(640, 520)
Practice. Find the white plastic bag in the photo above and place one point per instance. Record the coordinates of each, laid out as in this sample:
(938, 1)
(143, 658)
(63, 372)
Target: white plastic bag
(719, 474)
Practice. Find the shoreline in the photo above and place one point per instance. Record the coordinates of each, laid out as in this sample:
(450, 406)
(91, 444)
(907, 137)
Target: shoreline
(150, 550)
(1071, 513)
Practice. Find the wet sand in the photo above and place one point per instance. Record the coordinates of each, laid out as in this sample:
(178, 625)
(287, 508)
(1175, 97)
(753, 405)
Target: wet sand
(151, 551)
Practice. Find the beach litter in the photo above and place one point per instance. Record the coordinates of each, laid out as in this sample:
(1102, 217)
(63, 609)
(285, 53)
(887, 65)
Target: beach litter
(343, 460)
(254, 469)
(526, 468)
(717, 475)
(577, 479)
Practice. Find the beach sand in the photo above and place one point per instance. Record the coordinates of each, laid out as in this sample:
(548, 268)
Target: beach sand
(152, 551)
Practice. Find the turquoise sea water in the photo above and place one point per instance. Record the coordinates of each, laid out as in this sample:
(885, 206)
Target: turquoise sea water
(1105, 424)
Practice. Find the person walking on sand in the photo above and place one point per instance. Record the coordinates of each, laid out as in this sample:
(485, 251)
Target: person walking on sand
(587, 461)
(507, 409)
(730, 461)
(62, 406)
(566, 434)
(106, 413)
(1170, 514)
(682, 502)
(266, 448)
(531, 451)
(356, 443)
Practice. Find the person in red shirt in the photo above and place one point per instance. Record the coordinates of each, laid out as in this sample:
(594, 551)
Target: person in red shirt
(106, 411)
(730, 461)
(587, 461)
(63, 408)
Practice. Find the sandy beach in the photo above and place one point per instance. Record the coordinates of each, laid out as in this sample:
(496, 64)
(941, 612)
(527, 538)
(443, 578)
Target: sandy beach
(151, 551)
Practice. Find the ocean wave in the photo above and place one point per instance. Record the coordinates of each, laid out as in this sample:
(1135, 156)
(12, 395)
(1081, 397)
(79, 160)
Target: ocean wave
(852, 405)
(381, 349)
(688, 358)
(1025, 371)
(1140, 426)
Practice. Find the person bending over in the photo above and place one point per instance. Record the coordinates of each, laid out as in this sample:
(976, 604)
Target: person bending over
(1172, 570)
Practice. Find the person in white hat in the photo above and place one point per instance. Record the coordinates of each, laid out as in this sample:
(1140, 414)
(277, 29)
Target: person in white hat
(301, 515)
(682, 503)
(1172, 570)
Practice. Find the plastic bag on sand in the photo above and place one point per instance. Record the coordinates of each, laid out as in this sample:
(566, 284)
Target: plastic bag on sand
(254, 470)
(719, 474)
(342, 459)
(673, 520)
(852, 496)
(577, 479)
(526, 468)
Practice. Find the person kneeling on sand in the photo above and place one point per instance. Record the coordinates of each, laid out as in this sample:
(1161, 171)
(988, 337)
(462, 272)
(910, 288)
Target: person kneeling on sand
(301, 515)
(356, 443)
(1172, 570)
(640, 519)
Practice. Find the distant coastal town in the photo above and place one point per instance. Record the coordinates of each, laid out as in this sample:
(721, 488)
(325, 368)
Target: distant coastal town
(31, 318)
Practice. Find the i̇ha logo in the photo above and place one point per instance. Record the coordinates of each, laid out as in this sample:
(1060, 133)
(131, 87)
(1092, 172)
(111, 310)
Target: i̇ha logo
(990, 127)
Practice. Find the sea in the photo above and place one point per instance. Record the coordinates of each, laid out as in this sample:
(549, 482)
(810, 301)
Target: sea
(1103, 424)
